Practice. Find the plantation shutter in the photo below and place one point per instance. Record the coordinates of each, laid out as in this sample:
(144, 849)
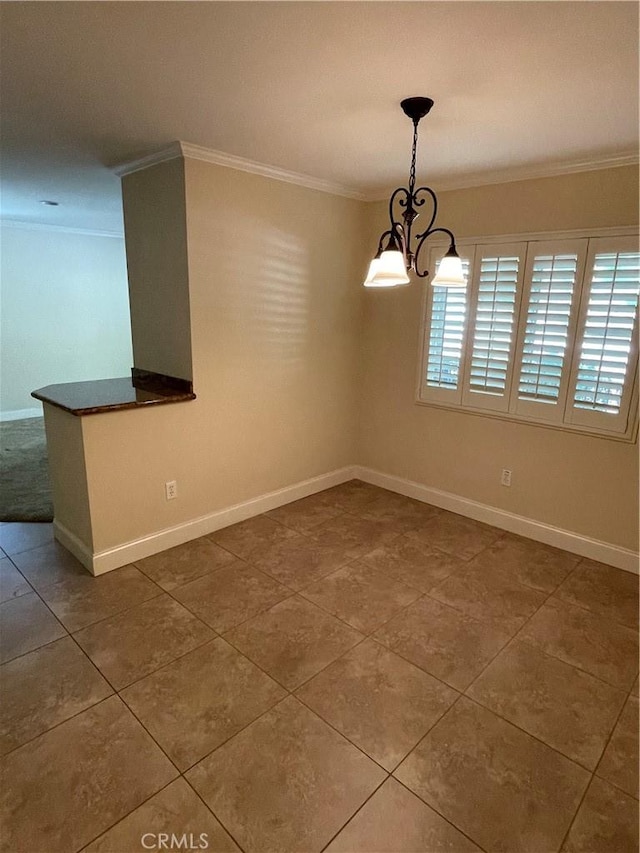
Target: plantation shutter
(607, 351)
(495, 303)
(547, 328)
(446, 316)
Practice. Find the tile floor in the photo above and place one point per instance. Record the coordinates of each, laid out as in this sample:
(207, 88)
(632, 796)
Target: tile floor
(353, 672)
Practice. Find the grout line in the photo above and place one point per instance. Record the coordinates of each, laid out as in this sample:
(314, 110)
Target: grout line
(208, 807)
(71, 716)
(609, 739)
(528, 734)
(575, 815)
(351, 817)
(115, 614)
(444, 817)
(124, 817)
(366, 636)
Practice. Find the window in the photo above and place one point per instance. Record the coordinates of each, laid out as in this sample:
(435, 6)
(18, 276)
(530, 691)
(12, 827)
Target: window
(546, 332)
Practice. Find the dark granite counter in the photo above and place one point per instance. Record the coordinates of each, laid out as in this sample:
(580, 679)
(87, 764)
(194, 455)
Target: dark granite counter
(142, 388)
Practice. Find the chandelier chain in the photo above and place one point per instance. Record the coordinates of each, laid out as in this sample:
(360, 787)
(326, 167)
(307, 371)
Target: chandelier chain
(412, 171)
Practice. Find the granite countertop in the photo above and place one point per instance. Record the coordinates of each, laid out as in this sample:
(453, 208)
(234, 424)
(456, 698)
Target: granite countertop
(142, 388)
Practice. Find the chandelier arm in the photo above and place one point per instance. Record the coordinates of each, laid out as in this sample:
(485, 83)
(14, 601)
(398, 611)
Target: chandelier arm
(399, 233)
(420, 201)
(384, 234)
(403, 202)
(425, 236)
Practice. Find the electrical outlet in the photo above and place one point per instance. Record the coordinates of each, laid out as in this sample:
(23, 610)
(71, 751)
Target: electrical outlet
(171, 489)
(506, 477)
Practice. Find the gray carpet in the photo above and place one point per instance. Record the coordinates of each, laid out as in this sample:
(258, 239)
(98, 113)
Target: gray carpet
(25, 493)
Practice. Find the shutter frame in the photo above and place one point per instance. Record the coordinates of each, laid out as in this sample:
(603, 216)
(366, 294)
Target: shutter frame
(449, 396)
(539, 410)
(625, 420)
(476, 398)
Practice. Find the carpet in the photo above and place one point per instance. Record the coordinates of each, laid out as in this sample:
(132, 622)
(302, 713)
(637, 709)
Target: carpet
(25, 493)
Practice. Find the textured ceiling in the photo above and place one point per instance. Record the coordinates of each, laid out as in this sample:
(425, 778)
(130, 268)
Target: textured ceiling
(519, 87)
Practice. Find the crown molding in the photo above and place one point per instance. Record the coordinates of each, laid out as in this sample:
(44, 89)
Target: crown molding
(24, 225)
(240, 164)
(524, 173)
(475, 179)
(171, 152)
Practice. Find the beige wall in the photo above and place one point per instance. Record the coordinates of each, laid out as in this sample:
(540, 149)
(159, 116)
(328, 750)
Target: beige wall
(275, 330)
(156, 240)
(580, 483)
(68, 472)
(299, 371)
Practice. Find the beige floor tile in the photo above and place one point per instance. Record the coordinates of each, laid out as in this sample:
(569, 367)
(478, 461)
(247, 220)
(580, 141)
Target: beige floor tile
(457, 535)
(12, 583)
(566, 708)
(179, 565)
(287, 783)
(501, 787)
(607, 822)
(197, 702)
(69, 785)
(293, 640)
(525, 561)
(26, 624)
(611, 592)
(361, 596)
(45, 565)
(403, 513)
(251, 536)
(231, 596)
(444, 642)
(304, 514)
(505, 604)
(414, 562)
(357, 536)
(381, 703)
(132, 644)
(16, 536)
(45, 687)
(300, 562)
(82, 599)
(619, 764)
(351, 496)
(395, 821)
(584, 639)
(176, 811)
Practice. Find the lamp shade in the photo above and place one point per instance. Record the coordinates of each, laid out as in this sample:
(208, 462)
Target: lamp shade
(389, 272)
(450, 272)
(373, 267)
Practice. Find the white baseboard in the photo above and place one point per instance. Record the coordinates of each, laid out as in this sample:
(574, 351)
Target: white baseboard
(113, 558)
(20, 414)
(603, 552)
(80, 550)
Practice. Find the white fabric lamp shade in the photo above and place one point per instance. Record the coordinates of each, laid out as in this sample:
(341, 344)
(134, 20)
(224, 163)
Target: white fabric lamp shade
(449, 273)
(390, 270)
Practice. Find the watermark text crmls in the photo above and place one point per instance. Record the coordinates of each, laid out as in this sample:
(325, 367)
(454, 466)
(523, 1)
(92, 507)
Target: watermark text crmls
(172, 841)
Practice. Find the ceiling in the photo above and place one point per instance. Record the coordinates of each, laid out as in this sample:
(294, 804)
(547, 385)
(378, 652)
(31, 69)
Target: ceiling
(520, 88)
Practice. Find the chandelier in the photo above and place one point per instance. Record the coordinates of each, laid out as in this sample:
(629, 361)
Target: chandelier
(399, 251)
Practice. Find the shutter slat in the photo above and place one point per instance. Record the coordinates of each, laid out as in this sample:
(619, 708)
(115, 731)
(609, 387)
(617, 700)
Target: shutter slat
(448, 317)
(493, 329)
(608, 329)
(547, 326)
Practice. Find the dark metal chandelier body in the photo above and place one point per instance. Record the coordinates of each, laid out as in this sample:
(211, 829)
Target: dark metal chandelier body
(404, 208)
